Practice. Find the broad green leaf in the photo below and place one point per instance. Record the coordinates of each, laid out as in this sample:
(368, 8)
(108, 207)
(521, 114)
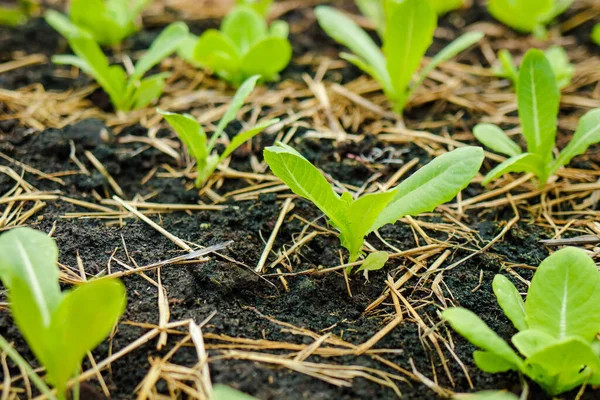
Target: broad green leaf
(93, 17)
(561, 66)
(442, 7)
(346, 32)
(587, 133)
(525, 162)
(361, 215)
(223, 392)
(462, 43)
(243, 137)
(306, 181)
(149, 90)
(408, 34)
(491, 363)
(267, 58)
(190, 132)
(563, 365)
(279, 29)
(244, 26)
(166, 43)
(375, 261)
(538, 99)
(508, 68)
(434, 184)
(530, 341)
(510, 301)
(493, 137)
(234, 107)
(31, 257)
(373, 9)
(478, 333)
(84, 318)
(219, 53)
(522, 15)
(487, 395)
(564, 296)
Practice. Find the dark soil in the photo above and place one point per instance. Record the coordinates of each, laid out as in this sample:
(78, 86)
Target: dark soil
(238, 296)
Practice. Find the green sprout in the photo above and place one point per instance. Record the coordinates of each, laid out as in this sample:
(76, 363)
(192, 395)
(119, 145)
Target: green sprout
(244, 46)
(527, 15)
(107, 21)
(406, 36)
(194, 137)
(125, 92)
(434, 184)
(60, 327)
(538, 99)
(558, 325)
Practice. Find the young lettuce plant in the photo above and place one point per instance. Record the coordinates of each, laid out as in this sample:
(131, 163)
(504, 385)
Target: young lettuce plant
(107, 21)
(194, 137)
(125, 92)
(408, 33)
(538, 100)
(60, 327)
(558, 325)
(557, 57)
(527, 15)
(434, 184)
(245, 46)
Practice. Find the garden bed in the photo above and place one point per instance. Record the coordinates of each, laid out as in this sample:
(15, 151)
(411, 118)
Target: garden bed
(66, 154)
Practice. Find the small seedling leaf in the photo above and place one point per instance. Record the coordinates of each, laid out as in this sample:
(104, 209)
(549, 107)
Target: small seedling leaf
(510, 301)
(530, 341)
(477, 332)
(587, 133)
(434, 184)
(492, 136)
(538, 100)
(491, 363)
(375, 261)
(526, 162)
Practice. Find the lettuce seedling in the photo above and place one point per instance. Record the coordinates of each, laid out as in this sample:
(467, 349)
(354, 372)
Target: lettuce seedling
(245, 46)
(559, 62)
(538, 100)
(408, 32)
(193, 135)
(60, 327)
(434, 184)
(263, 7)
(107, 21)
(558, 324)
(527, 15)
(125, 92)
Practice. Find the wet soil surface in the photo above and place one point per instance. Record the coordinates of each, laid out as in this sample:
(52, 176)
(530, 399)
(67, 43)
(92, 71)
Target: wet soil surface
(242, 300)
